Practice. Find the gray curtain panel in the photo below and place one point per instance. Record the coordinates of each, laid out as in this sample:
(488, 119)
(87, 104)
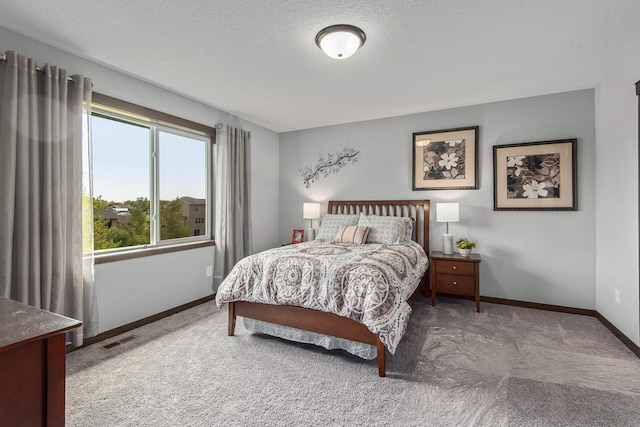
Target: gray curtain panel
(41, 156)
(232, 210)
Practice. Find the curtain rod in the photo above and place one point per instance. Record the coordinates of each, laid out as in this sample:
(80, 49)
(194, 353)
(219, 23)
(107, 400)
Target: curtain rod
(3, 57)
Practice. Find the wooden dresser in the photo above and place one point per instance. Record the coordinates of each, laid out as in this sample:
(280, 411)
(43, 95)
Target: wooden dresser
(32, 365)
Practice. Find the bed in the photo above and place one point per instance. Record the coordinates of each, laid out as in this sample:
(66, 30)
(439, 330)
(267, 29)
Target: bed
(370, 313)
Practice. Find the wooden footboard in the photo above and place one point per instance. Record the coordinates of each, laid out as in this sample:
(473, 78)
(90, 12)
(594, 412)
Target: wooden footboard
(309, 320)
(315, 321)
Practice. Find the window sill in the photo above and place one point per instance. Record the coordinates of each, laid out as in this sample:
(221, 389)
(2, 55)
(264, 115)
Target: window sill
(122, 256)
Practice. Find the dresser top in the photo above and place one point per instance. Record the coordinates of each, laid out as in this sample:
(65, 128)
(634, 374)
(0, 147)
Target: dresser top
(21, 324)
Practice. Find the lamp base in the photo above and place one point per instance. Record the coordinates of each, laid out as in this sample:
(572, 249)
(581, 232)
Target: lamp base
(310, 234)
(447, 244)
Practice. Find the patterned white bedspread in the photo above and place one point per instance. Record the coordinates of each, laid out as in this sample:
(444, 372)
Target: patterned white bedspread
(368, 283)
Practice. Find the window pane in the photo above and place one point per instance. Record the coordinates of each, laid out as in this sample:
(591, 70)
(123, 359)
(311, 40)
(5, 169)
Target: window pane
(182, 185)
(150, 179)
(120, 183)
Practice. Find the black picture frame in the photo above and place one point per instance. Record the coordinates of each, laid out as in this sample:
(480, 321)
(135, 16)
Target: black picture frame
(535, 176)
(445, 159)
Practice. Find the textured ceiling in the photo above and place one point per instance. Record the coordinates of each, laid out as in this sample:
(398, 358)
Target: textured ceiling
(257, 58)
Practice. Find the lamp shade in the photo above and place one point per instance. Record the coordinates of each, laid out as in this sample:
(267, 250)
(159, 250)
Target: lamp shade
(340, 41)
(311, 211)
(447, 212)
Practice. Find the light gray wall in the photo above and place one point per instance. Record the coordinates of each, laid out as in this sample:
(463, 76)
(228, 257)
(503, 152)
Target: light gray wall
(265, 186)
(617, 197)
(543, 257)
(134, 289)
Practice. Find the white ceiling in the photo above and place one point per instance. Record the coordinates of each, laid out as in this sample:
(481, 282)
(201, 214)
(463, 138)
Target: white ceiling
(257, 59)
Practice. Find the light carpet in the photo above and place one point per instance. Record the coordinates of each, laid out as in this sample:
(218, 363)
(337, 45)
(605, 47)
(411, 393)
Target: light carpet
(504, 366)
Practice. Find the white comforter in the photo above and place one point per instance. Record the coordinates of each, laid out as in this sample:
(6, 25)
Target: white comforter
(368, 283)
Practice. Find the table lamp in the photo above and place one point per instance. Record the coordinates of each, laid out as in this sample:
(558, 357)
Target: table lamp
(447, 212)
(311, 211)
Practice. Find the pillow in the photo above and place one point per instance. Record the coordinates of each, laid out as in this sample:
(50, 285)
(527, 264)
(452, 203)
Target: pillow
(388, 230)
(330, 224)
(352, 234)
(410, 224)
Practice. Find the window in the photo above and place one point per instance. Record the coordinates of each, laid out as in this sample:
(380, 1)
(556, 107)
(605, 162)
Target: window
(151, 177)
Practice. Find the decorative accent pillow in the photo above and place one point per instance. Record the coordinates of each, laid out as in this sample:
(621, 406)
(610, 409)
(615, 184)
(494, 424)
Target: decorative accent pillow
(352, 234)
(330, 224)
(388, 230)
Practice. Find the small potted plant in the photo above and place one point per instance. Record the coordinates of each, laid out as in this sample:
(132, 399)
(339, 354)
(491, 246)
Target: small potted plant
(465, 246)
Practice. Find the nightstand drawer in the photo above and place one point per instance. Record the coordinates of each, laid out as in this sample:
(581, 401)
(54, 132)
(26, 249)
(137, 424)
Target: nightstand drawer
(464, 285)
(455, 267)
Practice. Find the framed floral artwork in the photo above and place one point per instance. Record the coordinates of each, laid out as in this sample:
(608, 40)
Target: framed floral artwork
(297, 237)
(446, 159)
(535, 176)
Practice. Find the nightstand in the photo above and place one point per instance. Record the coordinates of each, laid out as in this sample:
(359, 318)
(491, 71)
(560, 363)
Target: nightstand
(455, 274)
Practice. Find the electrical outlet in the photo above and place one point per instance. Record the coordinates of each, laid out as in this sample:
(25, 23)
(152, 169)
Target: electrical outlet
(617, 296)
(209, 270)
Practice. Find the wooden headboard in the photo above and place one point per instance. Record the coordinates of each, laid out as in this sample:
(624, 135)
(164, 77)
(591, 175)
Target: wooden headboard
(416, 209)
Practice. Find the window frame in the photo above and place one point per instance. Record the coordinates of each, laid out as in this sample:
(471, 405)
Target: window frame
(136, 115)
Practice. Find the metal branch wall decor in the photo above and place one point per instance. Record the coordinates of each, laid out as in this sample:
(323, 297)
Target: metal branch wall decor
(325, 166)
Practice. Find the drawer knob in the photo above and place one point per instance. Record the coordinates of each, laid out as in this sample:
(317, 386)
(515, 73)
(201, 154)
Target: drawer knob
(455, 283)
(455, 268)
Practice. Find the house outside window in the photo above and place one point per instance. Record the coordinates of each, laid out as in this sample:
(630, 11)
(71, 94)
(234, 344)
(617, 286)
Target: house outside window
(190, 208)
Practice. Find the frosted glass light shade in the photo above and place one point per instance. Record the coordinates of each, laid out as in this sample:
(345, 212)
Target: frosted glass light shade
(340, 41)
(311, 211)
(447, 212)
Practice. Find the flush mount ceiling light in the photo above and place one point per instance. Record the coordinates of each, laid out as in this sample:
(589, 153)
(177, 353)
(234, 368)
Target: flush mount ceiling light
(340, 41)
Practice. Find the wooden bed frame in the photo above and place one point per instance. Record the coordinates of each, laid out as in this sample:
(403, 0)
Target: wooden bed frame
(328, 323)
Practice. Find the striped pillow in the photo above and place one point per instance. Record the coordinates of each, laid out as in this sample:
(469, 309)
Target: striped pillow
(352, 234)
